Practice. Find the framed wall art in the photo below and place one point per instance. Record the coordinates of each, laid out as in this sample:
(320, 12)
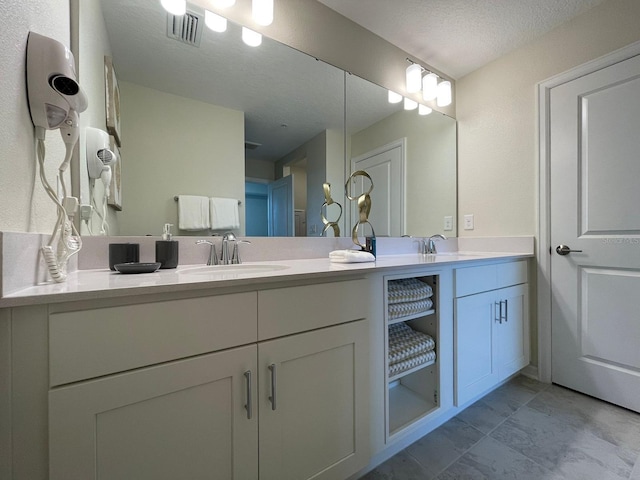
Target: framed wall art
(112, 101)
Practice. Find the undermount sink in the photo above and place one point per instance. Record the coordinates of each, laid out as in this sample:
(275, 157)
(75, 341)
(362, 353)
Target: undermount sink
(238, 269)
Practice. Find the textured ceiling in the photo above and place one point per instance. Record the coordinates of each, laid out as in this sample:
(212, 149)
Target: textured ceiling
(459, 36)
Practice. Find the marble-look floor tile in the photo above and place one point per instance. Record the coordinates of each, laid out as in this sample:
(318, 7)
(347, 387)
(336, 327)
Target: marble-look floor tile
(563, 448)
(399, 467)
(491, 460)
(609, 422)
(444, 445)
(488, 412)
(635, 473)
(519, 390)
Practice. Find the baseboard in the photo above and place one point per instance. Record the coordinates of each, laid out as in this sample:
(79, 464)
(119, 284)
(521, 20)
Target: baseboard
(530, 371)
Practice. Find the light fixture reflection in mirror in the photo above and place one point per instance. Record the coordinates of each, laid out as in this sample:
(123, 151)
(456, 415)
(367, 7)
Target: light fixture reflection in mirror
(172, 93)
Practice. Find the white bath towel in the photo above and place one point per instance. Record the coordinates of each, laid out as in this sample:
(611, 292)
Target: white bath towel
(193, 212)
(224, 213)
(351, 256)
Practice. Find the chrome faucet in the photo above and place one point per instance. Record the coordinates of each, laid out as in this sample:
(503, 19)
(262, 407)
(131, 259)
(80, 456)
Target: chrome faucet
(226, 258)
(233, 256)
(430, 244)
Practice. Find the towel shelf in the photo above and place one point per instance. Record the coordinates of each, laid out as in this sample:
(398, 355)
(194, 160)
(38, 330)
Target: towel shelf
(175, 198)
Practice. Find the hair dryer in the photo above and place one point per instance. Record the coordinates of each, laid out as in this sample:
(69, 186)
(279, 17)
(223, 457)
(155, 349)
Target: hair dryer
(55, 99)
(51, 85)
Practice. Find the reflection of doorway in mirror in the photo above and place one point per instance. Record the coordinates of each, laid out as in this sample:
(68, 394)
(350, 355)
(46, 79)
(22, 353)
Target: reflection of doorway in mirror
(386, 167)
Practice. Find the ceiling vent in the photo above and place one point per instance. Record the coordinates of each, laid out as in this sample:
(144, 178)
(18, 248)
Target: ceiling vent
(185, 28)
(251, 145)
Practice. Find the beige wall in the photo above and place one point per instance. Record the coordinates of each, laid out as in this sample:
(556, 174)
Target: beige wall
(207, 138)
(497, 118)
(25, 204)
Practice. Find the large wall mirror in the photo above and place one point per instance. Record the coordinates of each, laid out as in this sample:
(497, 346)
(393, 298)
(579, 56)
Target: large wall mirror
(227, 120)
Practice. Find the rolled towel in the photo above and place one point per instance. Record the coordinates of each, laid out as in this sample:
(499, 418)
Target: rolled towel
(351, 256)
(193, 212)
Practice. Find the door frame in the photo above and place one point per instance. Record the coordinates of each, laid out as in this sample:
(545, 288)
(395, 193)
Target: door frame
(544, 201)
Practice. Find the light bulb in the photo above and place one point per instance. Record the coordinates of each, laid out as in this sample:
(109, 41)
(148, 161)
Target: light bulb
(223, 3)
(394, 97)
(251, 38)
(175, 7)
(444, 94)
(215, 22)
(429, 86)
(410, 104)
(414, 78)
(424, 110)
(262, 11)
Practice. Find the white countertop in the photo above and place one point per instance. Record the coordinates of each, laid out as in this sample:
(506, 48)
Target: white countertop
(103, 283)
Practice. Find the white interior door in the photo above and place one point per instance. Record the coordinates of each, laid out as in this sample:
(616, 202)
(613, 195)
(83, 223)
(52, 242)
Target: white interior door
(385, 166)
(595, 208)
(281, 219)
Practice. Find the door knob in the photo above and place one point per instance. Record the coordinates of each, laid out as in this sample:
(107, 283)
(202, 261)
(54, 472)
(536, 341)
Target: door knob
(565, 250)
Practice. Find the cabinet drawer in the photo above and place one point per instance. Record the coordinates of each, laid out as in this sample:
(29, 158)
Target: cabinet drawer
(284, 311)
(91, 343)
(483, 278)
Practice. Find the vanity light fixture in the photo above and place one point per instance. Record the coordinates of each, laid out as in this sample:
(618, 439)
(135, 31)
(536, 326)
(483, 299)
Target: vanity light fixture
(394, 97)
(251, 38)
(424, 110)
(444, 94)
(215, 22)
(414, 77)
(175, 7)
(429, 86)
(410, 104)
(223, 3)
(262, 12)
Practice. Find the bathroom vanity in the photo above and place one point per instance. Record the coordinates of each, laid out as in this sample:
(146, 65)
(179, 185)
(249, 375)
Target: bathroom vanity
(281, 372)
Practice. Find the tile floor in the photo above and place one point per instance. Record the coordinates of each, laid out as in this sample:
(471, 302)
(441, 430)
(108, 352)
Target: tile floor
(525, 430)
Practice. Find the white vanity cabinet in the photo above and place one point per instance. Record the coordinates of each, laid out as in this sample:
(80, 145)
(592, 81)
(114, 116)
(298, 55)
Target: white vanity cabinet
(184, 419)
(491, 326)
(291, 406)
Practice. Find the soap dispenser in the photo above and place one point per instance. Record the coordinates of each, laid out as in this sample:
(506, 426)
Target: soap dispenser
(167, 249)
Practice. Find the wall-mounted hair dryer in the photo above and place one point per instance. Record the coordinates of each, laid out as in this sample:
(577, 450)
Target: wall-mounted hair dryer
(55, 99)
(100, 159)
(99, 156)
(53, 90)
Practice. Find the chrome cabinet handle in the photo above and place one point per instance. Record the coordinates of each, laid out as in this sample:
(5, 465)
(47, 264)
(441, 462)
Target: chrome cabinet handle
(506, 313)
(249, 404)
(565, 250)
(272, 398)
(497, 315)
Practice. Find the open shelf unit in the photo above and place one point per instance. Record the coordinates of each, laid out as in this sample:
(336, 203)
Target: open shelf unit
(412, 392)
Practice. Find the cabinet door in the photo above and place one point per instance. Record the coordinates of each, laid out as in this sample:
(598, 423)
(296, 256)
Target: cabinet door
(513, 338)
(185, 419)
(475, 342)
(314, 404)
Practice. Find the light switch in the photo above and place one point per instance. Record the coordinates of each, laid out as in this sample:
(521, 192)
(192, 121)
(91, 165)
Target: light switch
(468, 222)
(448, 223)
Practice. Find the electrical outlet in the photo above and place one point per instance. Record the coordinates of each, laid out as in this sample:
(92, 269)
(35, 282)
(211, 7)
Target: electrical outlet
(468, 222)
(448, 223)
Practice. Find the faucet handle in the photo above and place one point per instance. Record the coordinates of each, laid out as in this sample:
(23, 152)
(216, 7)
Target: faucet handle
(235, 257)
(213, 256)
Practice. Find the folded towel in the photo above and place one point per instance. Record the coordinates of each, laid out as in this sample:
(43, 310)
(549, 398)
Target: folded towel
(193, 212)
(351, 256)
(224, 213)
